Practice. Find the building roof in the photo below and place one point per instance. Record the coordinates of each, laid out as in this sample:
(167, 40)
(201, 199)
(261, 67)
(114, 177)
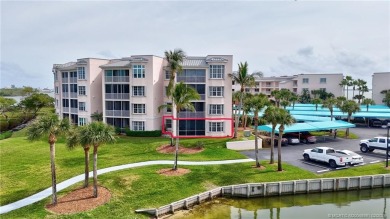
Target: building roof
(194, 62)
(309, 126)
(117, 63)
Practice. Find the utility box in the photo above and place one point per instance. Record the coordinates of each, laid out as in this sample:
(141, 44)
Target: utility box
(247, 133)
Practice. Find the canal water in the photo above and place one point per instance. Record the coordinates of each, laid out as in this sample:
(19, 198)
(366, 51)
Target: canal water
(352, 204)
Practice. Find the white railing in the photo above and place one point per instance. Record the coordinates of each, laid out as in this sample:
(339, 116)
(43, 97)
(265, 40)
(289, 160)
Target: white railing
(121, 113)
(117, 96)
(117, 79)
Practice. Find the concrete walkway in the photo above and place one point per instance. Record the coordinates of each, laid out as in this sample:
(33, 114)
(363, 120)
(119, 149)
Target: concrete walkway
(47, 192)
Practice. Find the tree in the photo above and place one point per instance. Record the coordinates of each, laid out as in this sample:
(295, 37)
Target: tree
(80, 136)
(305, 96)
(27, 91)
(285, 95)
(270, 116)
(245, 110)
(96, 134)
(346, 82)
(277, 96)
(283, 118)
(244, 80)
(7, 105)
(368, 102)
(235, 99)
(354, 84)
(293, 99)
(96, 116)
(182, 98)
(329, 103)
(256, 103)
(51, 126)
(316, 101)
(349, 107)
(386, 98)
(36, 101)
(340, 101)
(362, 88)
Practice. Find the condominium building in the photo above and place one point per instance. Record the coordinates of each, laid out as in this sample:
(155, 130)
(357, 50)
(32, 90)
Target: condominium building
(128, 92)
(380, 82)
(78, 89)
(297, 83)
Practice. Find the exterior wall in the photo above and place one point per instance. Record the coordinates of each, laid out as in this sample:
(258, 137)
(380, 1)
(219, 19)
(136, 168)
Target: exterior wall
(331, 85)
(380, 82)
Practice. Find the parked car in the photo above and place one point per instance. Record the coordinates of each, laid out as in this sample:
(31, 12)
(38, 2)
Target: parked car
(327, 155)
(304, 137)
(375, 122)
(386, 121)
(356, 158)
(284, 141)
(379, 143)
(291, 139)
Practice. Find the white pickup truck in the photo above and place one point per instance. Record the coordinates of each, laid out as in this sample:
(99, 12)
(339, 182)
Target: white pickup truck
(327, 155)
(369, 145)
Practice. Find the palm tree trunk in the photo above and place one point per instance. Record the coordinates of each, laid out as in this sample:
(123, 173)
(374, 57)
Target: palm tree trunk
(53, 173)
(241, 97)
(256, 143)
(95, 189)
(177, 142)
(331, 115)
(271, 161)
(280, 151)
(86, 156)
(347, 130)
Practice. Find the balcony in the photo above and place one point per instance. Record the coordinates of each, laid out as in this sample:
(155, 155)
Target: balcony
(187, 114)
(64, 80)
(197, 79)
(65, 109)
(73, 80)
(65, 94)
(117, 79)
(121, 96)
(74, 110)
(118, 113)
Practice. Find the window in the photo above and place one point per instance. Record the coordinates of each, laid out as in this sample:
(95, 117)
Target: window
(247, 90)
(82, 90)
(81, 73)
(82, 121)
(81, 106)
(168, 109)
(73, 103)
(257, 90)
(65, 88)
(305, 80)
(216, 109)
(167, 75)
(139, 108)
(382, 140)
(138, 126)
(73, 88)
(216, 91)
(56, 102)
(138, 71)
(138, 91)
(64, 74)
(323, 89)
(168, 124)
(322, 80)
(55, 76)
(65, 102)
(305, 89)
(217, 71)
(215, 126)
(56, 89)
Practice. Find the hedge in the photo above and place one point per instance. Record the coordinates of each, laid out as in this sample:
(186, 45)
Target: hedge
(155, 133)
(5, 135)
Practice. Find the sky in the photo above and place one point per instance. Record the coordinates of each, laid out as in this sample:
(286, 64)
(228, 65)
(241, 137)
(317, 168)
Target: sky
(274, 37)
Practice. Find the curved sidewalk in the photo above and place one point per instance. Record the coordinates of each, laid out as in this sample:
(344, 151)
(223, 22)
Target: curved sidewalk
(60, 186)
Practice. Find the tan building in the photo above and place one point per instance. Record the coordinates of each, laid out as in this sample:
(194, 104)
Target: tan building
(297, 83)
(380, 82)
(128, 92)
(77, 87)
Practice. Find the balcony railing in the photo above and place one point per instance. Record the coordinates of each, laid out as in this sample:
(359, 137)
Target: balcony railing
(65, 94)
(199, 114)
(201, 79)
(123, 113)
(118, 96)
(73, 94)
(64, 80)
(73, 80)
(74, 110)
(117, 79)
(65, 109)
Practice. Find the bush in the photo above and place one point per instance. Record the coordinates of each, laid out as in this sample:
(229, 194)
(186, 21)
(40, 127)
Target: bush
(198, 144)
(5, 135)
(155, 133)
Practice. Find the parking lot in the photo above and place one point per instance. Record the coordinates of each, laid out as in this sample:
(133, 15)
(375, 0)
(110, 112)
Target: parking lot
(292, 154)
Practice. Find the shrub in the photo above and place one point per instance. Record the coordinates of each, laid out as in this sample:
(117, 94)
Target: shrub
(5, 135)
(198, 144)
(155, 133)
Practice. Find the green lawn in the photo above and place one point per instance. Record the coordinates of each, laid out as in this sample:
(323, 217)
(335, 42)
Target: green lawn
(340, 134)
(25, 170)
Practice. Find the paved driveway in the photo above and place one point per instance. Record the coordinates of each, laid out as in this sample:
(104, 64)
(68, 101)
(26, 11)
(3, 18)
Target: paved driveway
(292, 154)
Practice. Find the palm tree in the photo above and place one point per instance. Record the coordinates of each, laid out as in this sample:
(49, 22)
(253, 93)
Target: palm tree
(362, 87)
(235, 99)
(293, 99)
(175, 60)
(386, 98)
(96, 116)
(340, 101)
(368, 102)
(354, 84)
(96, 134)
(270, 116)
(256, 103)
(277, 95)
(283, 118)
(182, 96)
(349, 107)
(51, 126)
(243, 78)
(329, 103)
(316, 101)
(245, 110)
(80, 136)
(346, 82)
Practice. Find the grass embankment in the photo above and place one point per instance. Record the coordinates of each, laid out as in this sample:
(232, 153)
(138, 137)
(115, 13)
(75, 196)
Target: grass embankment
(340, 134)
(25, 169)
